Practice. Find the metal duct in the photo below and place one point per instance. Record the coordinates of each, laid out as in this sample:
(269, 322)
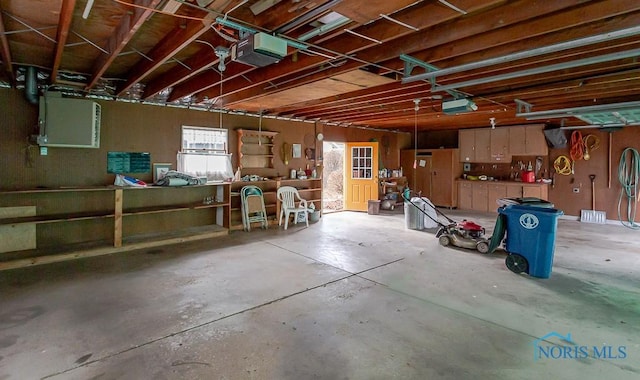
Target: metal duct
(31, 85)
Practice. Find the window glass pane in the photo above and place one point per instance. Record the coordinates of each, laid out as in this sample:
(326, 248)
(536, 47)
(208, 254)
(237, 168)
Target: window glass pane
(204, 153)
(204, 139)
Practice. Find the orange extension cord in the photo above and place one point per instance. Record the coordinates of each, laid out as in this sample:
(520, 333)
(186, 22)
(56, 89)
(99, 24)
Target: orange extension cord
(577, 146)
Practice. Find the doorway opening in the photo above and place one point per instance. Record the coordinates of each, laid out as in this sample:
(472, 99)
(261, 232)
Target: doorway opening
(332, 176)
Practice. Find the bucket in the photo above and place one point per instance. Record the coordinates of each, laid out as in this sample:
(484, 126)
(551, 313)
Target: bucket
(314, 216)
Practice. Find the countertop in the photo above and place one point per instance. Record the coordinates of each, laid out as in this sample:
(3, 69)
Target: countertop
(503, 182)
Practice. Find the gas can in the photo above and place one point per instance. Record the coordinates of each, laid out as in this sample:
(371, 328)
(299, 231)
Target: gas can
(528, 176)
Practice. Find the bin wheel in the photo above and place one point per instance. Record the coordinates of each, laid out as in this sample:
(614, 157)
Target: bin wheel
(482, 247)
(444, 240)
(516, 263)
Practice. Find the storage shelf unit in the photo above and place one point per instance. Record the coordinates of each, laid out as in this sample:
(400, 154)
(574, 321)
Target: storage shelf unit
(93, 216)
(255, 148)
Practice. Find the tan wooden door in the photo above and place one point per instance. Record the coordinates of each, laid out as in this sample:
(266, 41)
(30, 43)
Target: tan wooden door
(423, 176)
(361, 175)
(442, 177)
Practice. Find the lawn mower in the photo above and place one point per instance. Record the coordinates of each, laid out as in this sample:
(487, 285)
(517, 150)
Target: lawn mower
(465, 234)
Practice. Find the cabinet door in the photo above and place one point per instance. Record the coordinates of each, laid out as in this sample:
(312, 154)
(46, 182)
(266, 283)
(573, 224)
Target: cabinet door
(531, 191)
(536, 142)
(466, 144)
(514, 191)
(500, 145)
(465, 193)
(517, 141)
(495, 192)
(442, 178)
(483, 145)
(423, 177)
(479, 197)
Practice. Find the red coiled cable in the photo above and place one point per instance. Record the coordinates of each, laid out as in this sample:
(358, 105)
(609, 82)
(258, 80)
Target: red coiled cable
(577, 146)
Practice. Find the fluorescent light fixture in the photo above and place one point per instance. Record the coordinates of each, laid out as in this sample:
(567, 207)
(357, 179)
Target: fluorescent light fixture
(87, 9)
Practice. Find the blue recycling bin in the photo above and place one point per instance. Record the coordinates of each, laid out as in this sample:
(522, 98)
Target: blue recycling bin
(531, 237)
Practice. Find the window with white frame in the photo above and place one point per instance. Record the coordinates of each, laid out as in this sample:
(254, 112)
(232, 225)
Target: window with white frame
(204, 153)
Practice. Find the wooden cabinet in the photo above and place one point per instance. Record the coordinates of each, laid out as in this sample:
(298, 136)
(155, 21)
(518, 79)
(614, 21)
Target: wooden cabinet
(255, 148)
(479, 197)
(528, 141)
(418, 178)
(484, 145)
(435, 174)
(482, 196)
(309, 189)
(445, 168)
(500, 151)
(514, 191)
(475, 145)
(500, 144)
(93, 221)
(465, 195)
(535, 191)
(466, 144)
(495, 192)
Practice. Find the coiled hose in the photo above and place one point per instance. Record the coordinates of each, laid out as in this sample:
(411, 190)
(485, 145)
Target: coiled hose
(629, 175)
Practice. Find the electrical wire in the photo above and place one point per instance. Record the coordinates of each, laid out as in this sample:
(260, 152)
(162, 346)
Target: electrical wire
(158, 11)
(576, 152)
(629, 175)
(591, 143)
(562, 165)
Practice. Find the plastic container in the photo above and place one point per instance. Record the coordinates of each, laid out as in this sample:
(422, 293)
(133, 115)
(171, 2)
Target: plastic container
(314, 216)
(531, 233)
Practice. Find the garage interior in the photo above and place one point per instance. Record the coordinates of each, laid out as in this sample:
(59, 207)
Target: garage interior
(455, 99)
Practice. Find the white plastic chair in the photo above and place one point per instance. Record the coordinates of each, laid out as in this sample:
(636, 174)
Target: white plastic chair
(288, 196)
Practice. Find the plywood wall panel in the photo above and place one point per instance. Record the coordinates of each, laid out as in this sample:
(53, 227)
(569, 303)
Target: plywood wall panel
(562, 195)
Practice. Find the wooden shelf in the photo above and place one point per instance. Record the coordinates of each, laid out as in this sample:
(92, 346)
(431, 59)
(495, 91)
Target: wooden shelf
(269, 189)
(56, 218)
(58, 190)
(259, 148)
(126, 213)
(142, 241)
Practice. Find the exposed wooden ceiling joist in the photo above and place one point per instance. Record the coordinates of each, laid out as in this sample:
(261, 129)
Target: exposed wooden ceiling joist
(155, 45)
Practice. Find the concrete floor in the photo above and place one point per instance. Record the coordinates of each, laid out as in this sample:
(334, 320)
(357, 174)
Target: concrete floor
(354, 296)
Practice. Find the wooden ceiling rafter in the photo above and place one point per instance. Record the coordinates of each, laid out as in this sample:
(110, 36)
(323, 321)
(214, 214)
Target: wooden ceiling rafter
(359, 97)
(439, 34)
(124, 32)
(345, 98)
(375, 102)
(344, 44)
(198, 65)
(595, 12)
(5, 50)
(64, 26)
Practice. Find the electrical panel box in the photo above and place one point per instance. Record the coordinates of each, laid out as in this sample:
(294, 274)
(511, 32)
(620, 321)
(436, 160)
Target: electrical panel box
(68, 122)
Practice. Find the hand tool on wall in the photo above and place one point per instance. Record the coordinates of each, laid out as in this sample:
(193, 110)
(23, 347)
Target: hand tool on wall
(592, 177)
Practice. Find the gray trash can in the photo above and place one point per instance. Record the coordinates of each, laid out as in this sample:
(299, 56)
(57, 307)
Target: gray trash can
(413, 217)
